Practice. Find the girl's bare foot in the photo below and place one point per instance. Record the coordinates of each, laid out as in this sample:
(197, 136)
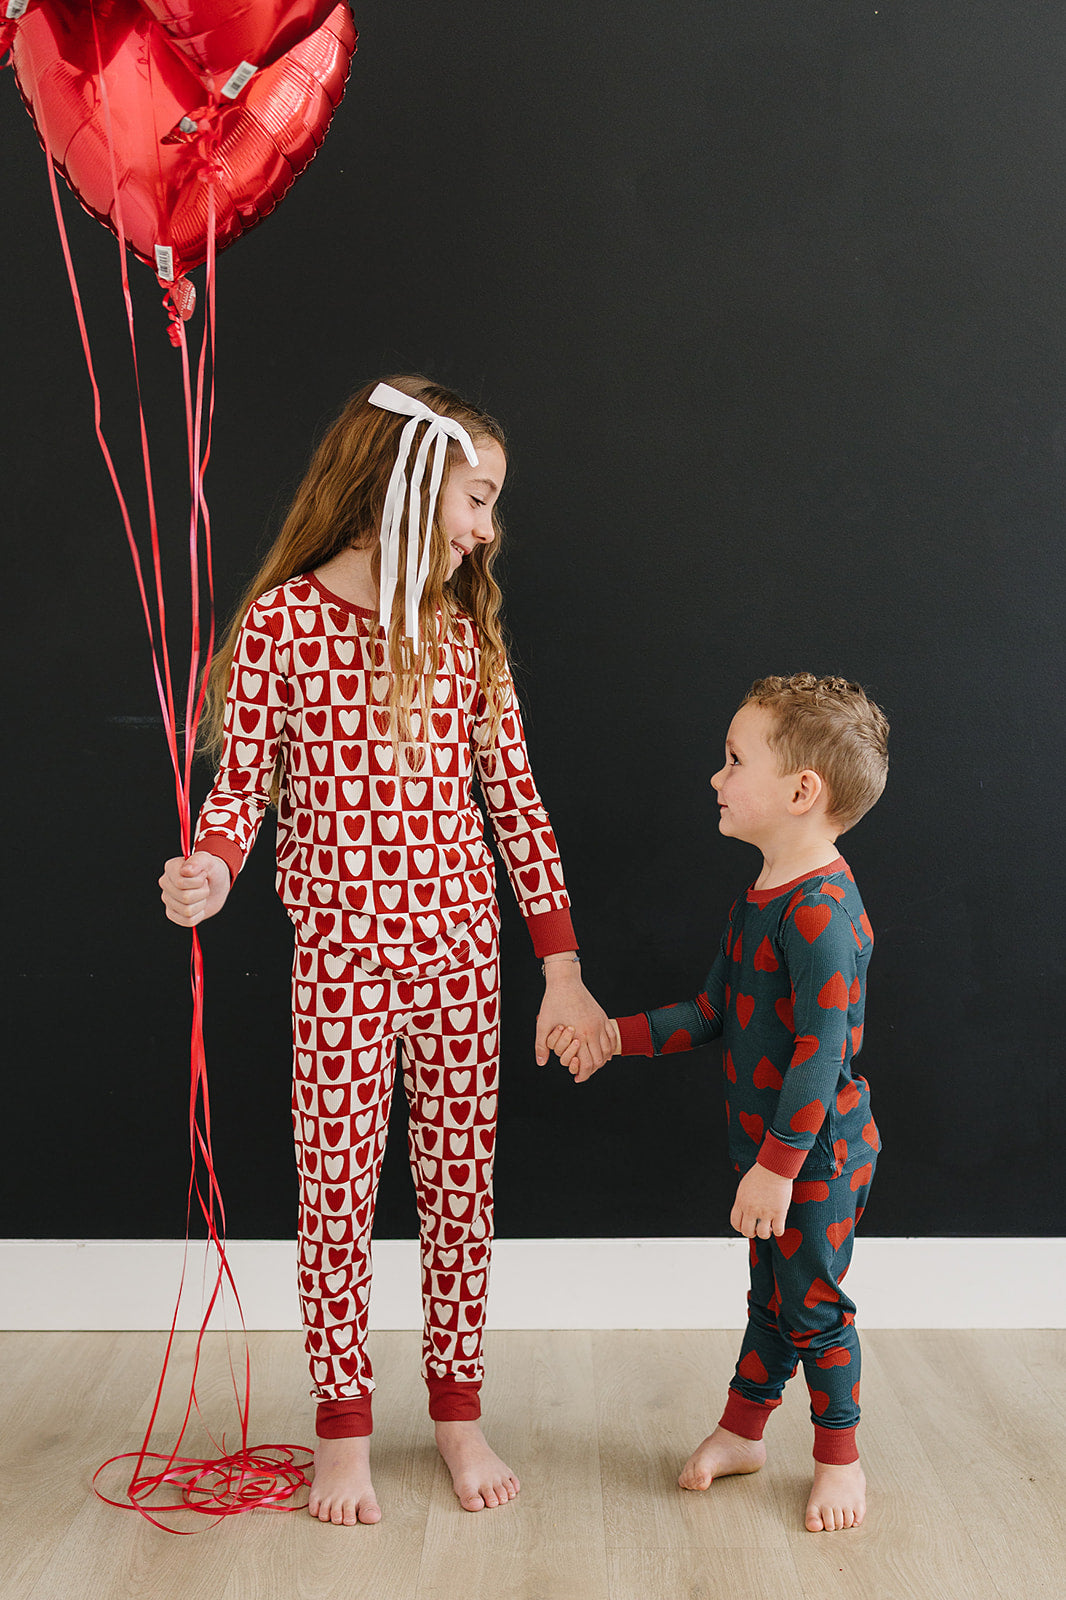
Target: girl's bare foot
(342, 1491)
(480, 1478)
(838, 1498)
(721, 1456)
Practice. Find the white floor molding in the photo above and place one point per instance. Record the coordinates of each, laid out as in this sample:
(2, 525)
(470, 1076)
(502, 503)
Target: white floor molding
(539, 1283)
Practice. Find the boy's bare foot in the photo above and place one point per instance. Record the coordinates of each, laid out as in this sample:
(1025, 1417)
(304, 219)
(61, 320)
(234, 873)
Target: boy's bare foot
(721, 1455)
(342, 1491)
(480, 1478)
(838, 1498)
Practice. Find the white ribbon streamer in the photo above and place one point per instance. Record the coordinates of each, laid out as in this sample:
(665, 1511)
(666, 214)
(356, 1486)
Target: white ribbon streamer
(439, 431)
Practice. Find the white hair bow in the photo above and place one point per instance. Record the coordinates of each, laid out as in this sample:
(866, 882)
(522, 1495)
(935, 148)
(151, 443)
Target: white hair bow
(439, 431)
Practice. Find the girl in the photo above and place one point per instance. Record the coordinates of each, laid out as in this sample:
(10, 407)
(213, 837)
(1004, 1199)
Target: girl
(367, 685)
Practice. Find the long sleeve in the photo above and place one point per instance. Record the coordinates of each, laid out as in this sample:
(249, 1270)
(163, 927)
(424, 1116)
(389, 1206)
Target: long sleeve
(682, 1026)
(256, 707)
(522, 829)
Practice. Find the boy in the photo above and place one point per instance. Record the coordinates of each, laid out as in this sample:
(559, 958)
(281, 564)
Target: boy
(806, 757)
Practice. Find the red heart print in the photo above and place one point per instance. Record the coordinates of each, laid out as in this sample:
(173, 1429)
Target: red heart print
(809, 1118)
(812, 921)
(804, 1193)
(848, 1098)
(805, 1047)
(837, 1232)
(680, 1039)
(752, 1368)
(833, 995)
(745, 1007)
(766, 1075)
(753, 1125)
(765, 959)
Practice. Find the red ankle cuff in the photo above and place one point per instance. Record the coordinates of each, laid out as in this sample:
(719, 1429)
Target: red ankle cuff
(344, 1419)
(835, 1447)
(746, 1417)
(450, 1401)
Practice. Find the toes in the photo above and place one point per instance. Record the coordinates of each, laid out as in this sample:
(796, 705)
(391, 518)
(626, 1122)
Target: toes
(472, 1502)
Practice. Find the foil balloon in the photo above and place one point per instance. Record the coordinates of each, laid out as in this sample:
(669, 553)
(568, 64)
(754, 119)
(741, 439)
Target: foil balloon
(227, 41)
(11, 14)
(121, 108)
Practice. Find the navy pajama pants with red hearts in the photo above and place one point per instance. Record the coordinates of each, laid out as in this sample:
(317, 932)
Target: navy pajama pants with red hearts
(346, 1030)
(798, 1312)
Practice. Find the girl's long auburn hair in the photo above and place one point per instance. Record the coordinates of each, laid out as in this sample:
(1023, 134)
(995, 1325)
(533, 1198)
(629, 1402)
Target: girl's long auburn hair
(339, 505)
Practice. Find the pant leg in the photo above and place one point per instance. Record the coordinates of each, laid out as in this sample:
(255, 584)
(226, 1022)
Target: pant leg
(767, 1356)
(451, 1075)
(813, 1315)
(344, 1064)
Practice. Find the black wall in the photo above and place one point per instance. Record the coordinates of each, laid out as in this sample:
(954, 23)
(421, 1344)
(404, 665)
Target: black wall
(771, 301)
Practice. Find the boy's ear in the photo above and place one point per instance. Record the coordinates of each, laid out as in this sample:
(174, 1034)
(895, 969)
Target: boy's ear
(807, 790)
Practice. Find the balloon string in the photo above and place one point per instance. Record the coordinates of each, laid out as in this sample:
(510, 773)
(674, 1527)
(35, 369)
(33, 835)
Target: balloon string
(268, 1477)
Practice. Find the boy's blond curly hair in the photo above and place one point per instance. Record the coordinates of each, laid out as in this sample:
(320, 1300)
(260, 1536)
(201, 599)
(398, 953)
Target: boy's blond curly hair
(831, 727)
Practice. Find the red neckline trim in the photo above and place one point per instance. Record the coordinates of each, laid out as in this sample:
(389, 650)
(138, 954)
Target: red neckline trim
(762, 897)
(335, 599)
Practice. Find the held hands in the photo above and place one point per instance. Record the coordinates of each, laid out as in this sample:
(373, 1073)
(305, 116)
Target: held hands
(566, 1043)
(568, 1006)
(194, 888)
(762, 1203)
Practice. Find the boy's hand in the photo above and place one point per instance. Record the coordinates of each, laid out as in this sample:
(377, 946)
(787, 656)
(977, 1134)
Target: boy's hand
(194, 888)
(567, 1046)
(762, 1203)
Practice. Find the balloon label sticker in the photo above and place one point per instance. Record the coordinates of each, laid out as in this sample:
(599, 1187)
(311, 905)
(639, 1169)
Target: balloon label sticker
(164, 262)
(15, 8)
(236, 82)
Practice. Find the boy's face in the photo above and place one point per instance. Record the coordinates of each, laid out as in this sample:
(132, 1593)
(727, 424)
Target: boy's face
(753, 795)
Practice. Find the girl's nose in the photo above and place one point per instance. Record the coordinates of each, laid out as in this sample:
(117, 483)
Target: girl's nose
(718, 779)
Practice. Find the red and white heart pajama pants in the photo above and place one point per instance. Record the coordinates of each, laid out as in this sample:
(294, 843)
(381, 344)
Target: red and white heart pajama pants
(346, 1029)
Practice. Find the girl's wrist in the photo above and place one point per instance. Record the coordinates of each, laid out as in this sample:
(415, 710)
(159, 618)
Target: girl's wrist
(564, 965)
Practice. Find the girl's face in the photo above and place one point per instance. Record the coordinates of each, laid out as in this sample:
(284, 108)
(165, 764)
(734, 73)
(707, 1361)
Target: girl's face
(467, 499)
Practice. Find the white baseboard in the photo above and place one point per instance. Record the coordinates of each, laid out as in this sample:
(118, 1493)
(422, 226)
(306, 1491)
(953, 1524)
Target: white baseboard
(539, 1283)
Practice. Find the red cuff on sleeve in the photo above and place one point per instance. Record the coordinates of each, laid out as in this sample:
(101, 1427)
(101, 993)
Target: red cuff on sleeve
(552, 932)
(217, 844)
(635, 1034)
(781, 1158)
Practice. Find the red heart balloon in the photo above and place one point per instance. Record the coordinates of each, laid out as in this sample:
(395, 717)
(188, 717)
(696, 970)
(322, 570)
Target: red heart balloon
(264, 142)
(219, 37)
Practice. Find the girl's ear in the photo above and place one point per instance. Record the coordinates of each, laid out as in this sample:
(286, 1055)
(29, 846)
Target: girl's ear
(807, 788)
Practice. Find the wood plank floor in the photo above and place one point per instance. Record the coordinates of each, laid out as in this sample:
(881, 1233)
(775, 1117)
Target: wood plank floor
(964, 1445)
